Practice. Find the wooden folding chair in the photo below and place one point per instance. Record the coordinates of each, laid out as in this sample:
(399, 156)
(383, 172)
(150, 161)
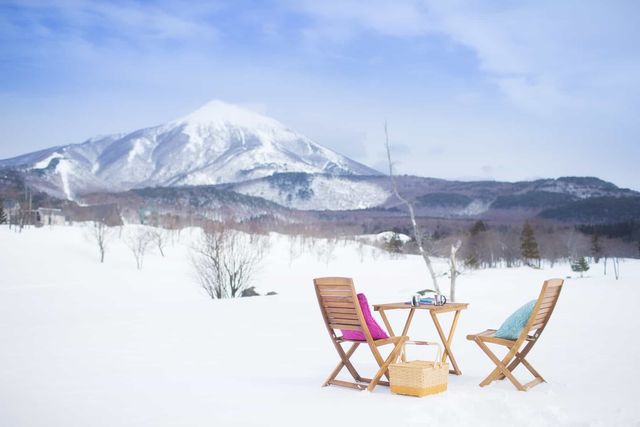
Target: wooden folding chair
(341, 310)
(537, 322)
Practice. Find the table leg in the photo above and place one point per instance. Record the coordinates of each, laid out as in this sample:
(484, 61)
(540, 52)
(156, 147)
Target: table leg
(408, 322)
(446, 341)
(454, 324)
(386, 323)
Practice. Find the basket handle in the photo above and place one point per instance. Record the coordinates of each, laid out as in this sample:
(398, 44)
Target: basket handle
(437, 362)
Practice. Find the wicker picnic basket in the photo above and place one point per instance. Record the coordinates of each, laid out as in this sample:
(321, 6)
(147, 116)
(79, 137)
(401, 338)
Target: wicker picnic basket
(419, 377)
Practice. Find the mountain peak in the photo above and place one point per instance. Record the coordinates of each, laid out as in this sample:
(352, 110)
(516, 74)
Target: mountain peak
(217, 113)
(217, 143)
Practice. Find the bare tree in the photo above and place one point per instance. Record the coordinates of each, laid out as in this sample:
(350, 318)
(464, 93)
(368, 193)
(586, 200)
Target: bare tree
(295, 247)
(577, 244)
(554, 245)
(613, 249)
(417, 235)
(616, 267)
(101, 234)
(226, 260)
(3, 215)
(138, 241)
(324, 250)
(453, 264)
(159, 238)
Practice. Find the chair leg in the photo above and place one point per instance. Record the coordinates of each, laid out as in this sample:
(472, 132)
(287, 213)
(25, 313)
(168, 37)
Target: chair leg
(344, 361)
(501, 367)
(519, 358)
(385, 365)
(533, 371)
(490, 378)
(379, 359)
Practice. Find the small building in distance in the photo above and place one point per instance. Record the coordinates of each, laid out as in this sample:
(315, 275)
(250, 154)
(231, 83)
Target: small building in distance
(19, 216)
(50, 216)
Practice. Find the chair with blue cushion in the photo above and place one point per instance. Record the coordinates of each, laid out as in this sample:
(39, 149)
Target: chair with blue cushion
(522, 327)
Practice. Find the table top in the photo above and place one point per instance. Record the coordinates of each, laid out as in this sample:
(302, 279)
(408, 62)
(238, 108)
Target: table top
(450, 306)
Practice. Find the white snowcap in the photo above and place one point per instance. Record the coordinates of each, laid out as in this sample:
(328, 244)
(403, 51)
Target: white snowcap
(218, 113)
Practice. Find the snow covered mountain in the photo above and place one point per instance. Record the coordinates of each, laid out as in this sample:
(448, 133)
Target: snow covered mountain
(218, 143)
(315, 192)
(589, 198)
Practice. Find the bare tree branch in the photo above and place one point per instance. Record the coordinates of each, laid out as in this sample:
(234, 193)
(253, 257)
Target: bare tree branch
(454, 270)
(159, 238)
(416, 231)
(226, 260)
(138, 241)
(101, 234)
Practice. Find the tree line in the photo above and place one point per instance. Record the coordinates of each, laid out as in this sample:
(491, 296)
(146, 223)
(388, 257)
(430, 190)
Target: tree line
(486, 245)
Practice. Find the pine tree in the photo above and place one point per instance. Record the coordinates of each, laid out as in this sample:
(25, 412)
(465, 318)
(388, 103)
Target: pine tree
(3, 216)
(394, 244)
(474, 245)
(472, 262)
(529, 245)
(580, 265)
(596, 247)
(477, 228)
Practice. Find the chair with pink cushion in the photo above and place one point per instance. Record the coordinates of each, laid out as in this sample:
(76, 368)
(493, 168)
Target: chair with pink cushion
(344, 311)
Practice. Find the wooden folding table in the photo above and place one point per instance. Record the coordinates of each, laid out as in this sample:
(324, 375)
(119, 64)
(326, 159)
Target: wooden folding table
(434, 310)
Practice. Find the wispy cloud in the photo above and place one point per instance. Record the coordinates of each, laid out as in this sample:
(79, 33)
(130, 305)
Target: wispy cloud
(392, 18)
(505, 89)
(544, 56)
(99, 22)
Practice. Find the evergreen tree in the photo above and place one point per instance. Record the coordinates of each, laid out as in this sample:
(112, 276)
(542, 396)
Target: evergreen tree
(477, 228)
(472, 262)
(580, 265)
(394, 244)
(474, 245)
(596, 247)
(529, 245)
(3, 216)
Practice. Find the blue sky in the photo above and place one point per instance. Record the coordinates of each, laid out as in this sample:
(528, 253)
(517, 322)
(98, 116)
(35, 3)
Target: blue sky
(506, 90)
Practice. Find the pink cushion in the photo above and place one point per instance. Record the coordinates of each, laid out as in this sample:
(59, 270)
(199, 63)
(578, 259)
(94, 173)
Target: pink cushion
(377, 333)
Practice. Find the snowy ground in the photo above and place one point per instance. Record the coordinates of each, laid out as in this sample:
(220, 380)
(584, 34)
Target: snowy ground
(90, 344)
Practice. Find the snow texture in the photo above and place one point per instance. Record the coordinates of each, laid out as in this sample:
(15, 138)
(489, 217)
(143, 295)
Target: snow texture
(90, 344)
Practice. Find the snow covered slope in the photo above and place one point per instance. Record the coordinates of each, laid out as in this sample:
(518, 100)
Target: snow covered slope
(441, 198)
(217, 143)
(315, 192)
(90, 344)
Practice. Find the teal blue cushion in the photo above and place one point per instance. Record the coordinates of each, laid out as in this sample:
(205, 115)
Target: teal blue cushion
(512, 327)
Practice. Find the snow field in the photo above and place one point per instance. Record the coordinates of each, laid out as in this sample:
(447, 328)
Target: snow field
(85, 343)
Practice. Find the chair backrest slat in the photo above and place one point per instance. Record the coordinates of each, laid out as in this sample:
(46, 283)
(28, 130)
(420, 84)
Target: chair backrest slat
(339, 304)
(544, 305)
